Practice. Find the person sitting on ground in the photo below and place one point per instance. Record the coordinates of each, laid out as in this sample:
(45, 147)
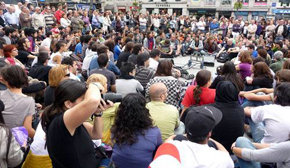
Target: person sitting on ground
(11, 155)
(229, 73)
(41, 70)
(245, 65)
(232, 124)
(271, 123)
(72, 67)
(164, 75)
(278, 61)
(155, 55)
(19, 108)
(55, 76)
(143, 73)
(126, 83)
(164, 116)
(200, 94)
(195, 152)
(250, 154)
(68, 136)
(103, 62)
(124, 55)
(267, 97)
(134, 148)
(261, 78)
(137, 49)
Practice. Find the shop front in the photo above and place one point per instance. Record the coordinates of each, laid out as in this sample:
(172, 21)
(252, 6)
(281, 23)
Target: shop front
(281, 13)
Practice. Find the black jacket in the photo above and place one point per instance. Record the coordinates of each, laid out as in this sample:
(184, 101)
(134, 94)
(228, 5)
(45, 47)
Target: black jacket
(285, 30)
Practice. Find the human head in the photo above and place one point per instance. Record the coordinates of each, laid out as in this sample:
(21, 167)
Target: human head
(143, 59)
(251, 47)
(137, 49)
(98, 78)
(110, 44)
(245, 57)
(200, 121)
(9, 31)
(278, 55)
(155, 54)
(282, 94)
(262, 53)
(23, 44)
(226, 92)
(10, 51)
(262, 69)
(43, 58)
(164, 68)
(132, 114)
(203, 78)
(158, 92)
(71, 63)
(282, 76)
(67, 94)
(127, 69)
(57, 74)
(286, 64)
(102, 49)
(14, 76)
(129, 47)
(103, 60)
(60, 46)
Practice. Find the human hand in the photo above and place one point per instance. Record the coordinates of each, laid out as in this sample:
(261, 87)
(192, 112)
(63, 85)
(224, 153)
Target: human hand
(104, 105)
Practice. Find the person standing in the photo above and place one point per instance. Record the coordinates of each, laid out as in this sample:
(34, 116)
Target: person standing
(38, 19)
(25, 18)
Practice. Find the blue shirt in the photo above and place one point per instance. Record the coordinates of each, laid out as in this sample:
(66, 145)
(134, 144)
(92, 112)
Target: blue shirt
(254, 54)
(78, 49)
(140, 154)
(213, 26)
(112, 67)
(117, 51)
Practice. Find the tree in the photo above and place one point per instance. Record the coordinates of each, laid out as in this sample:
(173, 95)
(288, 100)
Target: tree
(238, 5)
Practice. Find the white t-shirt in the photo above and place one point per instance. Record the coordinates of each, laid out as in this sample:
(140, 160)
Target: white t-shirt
(46, 42)
(38, 145)
(153, 64)
(277, 122)
(201, 25)
(143, 21)
(191, 155)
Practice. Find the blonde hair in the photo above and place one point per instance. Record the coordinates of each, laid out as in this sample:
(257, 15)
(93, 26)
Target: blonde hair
(98, 78)
(56, 74)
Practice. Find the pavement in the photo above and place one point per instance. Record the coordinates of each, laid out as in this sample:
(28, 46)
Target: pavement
(183, 60)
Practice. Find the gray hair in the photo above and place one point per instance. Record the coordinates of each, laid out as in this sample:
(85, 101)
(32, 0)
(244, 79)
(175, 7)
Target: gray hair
(278, 55)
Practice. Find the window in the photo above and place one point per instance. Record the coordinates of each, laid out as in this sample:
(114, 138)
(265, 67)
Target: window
(210, 2)
(284, 2)
(226, 2)
(163, 0)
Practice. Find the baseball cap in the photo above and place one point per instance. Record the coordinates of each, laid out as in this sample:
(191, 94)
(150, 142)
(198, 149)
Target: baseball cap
(201, 120)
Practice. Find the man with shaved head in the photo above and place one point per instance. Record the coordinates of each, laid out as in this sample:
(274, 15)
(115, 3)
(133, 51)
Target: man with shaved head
(164, 116)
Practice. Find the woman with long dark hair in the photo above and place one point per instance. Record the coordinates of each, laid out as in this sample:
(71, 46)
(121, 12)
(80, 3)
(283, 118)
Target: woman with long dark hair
(262, 77)
(229, 73)
(10, 153)
(135, 138)
(24, 56)
(199, 94)
(68, 136)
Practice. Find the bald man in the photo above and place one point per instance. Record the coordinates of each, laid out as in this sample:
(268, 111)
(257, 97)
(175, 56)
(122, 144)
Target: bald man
(164, 116)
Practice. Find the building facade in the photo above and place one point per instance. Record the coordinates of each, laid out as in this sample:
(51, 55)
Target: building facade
(216, 8)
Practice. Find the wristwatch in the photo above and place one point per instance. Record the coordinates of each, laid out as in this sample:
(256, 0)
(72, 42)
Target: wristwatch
(98, 114)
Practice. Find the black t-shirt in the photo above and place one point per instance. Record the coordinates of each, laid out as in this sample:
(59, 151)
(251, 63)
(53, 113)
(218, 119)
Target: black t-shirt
(49, 96)
(40, 72)
(68, 151)
(22, 56)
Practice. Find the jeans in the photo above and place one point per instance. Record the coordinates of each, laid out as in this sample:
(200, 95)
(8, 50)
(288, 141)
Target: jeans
(257, 130)
(243, 142)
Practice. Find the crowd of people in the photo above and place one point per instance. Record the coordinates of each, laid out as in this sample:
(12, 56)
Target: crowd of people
(91, 89)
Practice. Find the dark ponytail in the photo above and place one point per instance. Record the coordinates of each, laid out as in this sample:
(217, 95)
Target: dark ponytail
(202, 78)
(67, 90)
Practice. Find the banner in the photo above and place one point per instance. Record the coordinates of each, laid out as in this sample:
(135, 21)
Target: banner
(260, 2)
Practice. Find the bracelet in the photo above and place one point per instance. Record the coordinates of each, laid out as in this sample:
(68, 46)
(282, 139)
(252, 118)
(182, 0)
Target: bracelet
(98, 114)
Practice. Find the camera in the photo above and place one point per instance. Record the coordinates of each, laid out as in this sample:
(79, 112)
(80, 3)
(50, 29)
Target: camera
(113, 97)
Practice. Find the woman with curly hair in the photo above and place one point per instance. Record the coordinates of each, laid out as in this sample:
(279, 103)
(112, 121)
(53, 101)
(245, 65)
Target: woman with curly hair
(135, 138)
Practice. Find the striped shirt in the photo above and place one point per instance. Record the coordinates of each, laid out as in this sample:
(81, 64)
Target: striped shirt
(143, 75)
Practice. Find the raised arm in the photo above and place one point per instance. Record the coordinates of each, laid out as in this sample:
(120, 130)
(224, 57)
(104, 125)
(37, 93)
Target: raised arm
(78, 114)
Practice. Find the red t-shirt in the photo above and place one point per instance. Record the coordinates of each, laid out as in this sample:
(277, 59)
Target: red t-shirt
(207, 96)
